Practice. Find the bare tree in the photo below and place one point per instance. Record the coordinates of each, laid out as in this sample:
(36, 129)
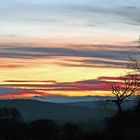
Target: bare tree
(9, 114)
(128, 86)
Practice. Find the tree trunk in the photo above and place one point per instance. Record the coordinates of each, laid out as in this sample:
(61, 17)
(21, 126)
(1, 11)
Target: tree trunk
(120, 110)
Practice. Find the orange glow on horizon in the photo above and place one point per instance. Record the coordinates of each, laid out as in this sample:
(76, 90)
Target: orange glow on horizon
(42, 69)
(66, 47)
(68, 94)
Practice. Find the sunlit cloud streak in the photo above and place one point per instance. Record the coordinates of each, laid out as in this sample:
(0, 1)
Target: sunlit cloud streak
(85, 85)
(29, 81)
(101, 84)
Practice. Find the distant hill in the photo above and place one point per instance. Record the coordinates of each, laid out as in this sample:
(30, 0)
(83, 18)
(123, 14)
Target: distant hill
(32, 110)
(64, 112)
(103, 104)
(74, 99)
(67, 99)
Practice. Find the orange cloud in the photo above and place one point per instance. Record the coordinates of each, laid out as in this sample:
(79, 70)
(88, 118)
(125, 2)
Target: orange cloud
(25, 88)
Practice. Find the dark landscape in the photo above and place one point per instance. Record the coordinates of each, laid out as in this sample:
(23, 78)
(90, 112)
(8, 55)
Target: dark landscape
(23, 119)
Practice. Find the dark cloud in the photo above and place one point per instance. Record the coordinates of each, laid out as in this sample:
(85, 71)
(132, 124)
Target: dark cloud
(93, 65)
(102, 63)
(11, 92)
(29, 81)
(129, 13)
(109, 78)
(8, 90)
(84, 85)
(92, 55)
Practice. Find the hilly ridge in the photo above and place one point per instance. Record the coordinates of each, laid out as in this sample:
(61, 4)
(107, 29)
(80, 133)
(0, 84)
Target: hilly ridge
(32, 110)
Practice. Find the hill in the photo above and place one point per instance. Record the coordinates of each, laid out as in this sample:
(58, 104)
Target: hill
(32, 110)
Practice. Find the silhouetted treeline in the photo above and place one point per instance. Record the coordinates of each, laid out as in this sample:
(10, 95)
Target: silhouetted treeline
(125, 126)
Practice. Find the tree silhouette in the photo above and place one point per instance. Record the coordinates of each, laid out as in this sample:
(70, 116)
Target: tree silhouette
(70, 131)
(43, 129)
(9, 114)
(129, 85)
(135, 66)
(11, 125)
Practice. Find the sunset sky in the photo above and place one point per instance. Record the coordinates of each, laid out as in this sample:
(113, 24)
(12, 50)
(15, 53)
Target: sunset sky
(65, 47)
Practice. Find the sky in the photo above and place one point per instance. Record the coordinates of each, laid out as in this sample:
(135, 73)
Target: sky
(65, 47)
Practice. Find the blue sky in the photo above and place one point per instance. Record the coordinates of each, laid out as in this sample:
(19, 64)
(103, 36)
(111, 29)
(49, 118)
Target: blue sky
(68, 19)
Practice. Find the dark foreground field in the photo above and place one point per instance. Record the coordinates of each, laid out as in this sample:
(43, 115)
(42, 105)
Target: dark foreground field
(98, 120)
